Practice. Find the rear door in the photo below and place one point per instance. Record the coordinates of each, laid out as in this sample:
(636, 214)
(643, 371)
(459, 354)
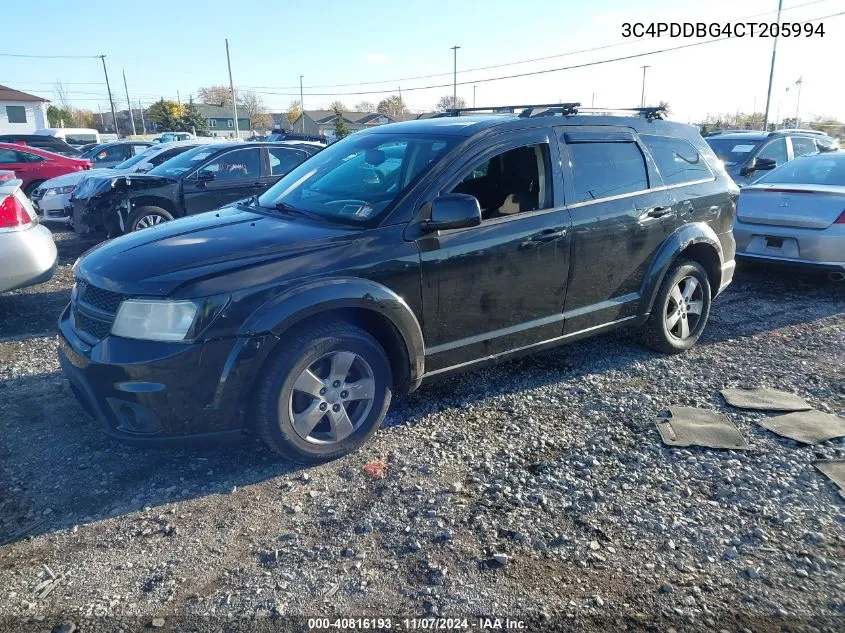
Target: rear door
(621, 213)
(229, 176)
(27, 166)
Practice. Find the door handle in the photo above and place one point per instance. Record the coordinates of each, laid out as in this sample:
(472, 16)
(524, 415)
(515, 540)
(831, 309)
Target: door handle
(549, 235)
(657, 212)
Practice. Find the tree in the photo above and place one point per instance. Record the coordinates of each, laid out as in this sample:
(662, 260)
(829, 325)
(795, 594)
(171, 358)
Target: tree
(340, 129)
(447, 102)
(294, 110)
(365, 106)
(254, 106)
(392, 106)
(61, 94)
(165, 114)
(82, 118)
(338, 105)
(59, 117)
(191, 120)
(217, 95)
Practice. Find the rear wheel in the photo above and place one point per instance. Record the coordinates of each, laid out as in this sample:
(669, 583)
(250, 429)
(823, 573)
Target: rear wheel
(31, 187)
(680, 309)
(146, 217)
(324, 394)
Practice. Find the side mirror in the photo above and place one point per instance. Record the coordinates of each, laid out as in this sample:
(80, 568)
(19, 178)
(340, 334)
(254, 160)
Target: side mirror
(758, 164)
(453, 211)
(206, 176)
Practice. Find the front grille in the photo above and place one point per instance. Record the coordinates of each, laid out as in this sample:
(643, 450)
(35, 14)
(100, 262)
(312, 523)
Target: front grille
(95, 328)
(97, 297)
(94, 310)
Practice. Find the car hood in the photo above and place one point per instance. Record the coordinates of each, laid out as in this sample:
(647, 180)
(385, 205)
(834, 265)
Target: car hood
(75, 177)
(95, 186)
(158, 260)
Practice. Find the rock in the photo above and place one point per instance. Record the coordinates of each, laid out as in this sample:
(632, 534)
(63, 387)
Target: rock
(594, 545)
(158, 623)
(666, 588)
(501, 559)
(349, 552)
(598, 600)
(65, 627)
(802, 573)
(455, 487)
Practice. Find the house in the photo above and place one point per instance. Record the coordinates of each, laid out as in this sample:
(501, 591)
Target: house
(21, 113)
(220, 121)
(322, 122)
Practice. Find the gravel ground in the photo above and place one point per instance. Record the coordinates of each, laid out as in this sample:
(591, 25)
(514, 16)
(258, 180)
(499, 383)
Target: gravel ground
(538, 490)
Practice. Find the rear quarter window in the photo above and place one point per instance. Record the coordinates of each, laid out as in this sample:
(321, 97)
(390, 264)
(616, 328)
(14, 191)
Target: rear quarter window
(676, 159)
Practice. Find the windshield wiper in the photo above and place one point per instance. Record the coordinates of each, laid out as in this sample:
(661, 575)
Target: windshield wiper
(287, 208)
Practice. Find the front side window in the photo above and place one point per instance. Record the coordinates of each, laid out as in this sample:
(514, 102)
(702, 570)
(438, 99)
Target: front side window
(110, 154)
(776, 150)
(605, 169)
(676, 159)
(237, 165)
(357, 178)
(16, 114)
(512, 182)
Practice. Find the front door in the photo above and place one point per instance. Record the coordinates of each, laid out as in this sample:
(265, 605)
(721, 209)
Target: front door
(621, 214)
(230, 176)
(500, 285)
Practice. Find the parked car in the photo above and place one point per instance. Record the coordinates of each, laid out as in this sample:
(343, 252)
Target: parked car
(395, 256)
(198, 180)
(114, 152)
(73, 135)
(34, 166)
(747, 155)
(169, 137)
(27, 251)
(51, 198)
(285, 135)
(795, 216)
(48, 143)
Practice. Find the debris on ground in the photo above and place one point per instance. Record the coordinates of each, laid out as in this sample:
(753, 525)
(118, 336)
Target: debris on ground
(833, 469)
(376, 468)
(764, 399)
(807, 427)
(687, 426)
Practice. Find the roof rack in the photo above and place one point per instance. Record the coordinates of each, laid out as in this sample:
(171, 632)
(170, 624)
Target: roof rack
(717, 132)
(552, 109)
(793, 130)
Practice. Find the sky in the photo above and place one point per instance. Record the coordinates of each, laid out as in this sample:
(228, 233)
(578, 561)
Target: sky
(167, 48)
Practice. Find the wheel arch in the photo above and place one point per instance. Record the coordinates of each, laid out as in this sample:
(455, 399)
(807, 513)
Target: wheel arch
(155, 201)
(367, 304)
(695, 241)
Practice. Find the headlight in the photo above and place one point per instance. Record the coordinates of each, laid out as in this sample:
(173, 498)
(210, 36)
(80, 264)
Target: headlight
(55, 191)
(154, 320)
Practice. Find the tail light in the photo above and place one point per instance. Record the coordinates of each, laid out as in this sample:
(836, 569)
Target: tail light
(13, 213)
(840, 219)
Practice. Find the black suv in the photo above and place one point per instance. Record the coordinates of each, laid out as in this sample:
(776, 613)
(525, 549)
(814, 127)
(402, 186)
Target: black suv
(200, 179)
(395, 256)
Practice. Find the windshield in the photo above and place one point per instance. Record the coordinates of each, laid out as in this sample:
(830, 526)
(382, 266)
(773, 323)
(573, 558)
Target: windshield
(185, 161)
(732, 151)
(812, 170)
(357, 178)
(88, 153)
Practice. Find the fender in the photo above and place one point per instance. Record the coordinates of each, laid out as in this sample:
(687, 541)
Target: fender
(681, 239)
(325, 295)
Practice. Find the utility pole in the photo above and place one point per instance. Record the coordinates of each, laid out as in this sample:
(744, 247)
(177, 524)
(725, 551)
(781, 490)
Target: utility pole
(232, 88)
(642, 98)
(143, 123)
(129, 103)
(754, 113)
(179, 101)
(473, 95)
(111, 101)
(455, 78)
(301, 104)
(800, 82)
(772, 72)
(593, 101)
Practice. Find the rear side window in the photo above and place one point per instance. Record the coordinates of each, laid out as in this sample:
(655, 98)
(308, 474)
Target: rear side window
(677, 160)
(282, 160)
(601, 170)
(776, 150)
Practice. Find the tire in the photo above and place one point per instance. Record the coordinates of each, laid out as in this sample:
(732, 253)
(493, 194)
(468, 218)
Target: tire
(673, 328)
(288, 400)
(32, 187)
(143, 214)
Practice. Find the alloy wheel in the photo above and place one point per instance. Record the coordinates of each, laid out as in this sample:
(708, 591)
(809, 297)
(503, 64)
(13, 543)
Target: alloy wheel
(332, 397)
(684, 308)
(147, 221)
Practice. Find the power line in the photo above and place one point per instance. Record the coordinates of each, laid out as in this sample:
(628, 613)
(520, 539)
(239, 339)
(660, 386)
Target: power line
(503, 65)
(537, 72)
(20, 55)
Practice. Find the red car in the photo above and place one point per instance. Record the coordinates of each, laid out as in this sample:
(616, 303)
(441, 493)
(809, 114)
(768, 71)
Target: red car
(34, 166)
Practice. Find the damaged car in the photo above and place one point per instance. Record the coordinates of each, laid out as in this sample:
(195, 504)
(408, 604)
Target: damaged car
(201, 179)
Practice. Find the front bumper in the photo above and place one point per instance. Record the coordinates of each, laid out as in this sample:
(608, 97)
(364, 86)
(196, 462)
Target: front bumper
(55, 208)
(153, 393)
(27, 257)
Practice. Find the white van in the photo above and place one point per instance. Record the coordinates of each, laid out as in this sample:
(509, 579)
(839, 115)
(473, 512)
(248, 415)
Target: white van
(72, 135)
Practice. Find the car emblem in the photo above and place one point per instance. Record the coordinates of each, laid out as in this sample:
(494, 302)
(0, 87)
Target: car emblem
(784, 204)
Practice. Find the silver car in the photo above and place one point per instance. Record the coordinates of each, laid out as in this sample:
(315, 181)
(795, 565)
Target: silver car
(27, 250)
(795, 215)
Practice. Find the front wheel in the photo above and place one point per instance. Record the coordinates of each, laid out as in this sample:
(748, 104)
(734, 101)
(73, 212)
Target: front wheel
(146, 217)
(324, 393)
(680, 309)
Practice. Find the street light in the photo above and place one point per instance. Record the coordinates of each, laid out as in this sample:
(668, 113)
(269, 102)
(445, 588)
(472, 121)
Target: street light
(642, 98)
